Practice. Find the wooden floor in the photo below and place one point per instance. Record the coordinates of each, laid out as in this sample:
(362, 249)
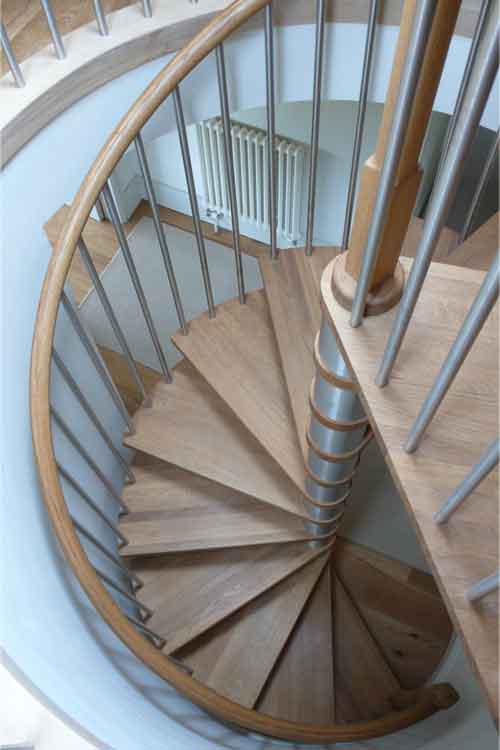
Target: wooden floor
(27, 28)
(466, 548)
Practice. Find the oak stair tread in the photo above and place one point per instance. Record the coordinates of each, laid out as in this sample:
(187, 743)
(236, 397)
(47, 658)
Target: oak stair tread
(401, 607)
(364, 682)
(190, 426)
(480, 249)
(236, 353)
(173, 510)
(236, 657)
(301, 686)
(447, 243)
(292, 288)
(463, 427)
(191, 592)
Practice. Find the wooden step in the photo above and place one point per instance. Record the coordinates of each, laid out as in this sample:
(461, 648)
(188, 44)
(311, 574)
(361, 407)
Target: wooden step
(402, 608)
(292, 291)
(236, 657)
(173, 510)
(301, 686)
(464, 550)
(448, 241)
(193, 591)
(480, 249)
(364, 682)
(190, 426)
(236, 353)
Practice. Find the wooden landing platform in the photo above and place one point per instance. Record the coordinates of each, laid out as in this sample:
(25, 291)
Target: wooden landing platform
(466, 549)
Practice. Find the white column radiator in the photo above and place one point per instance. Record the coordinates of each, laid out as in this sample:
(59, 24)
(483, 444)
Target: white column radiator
(249, 146)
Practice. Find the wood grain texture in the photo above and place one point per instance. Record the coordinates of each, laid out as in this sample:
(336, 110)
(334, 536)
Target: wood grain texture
(172, 510)
(466, 549)
(292, 287)
(407, 180)
(237, 355)
(301, 686)
(190, 426)
(193, 591)
(364, 681)
(479, 250)
(118, 368)
(235, 659)
(401, 607)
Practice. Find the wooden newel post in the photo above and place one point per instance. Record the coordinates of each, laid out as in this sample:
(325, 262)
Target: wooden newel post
(409, 173)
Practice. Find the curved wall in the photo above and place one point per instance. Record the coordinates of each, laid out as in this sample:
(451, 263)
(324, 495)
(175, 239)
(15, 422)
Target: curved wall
(48, 627)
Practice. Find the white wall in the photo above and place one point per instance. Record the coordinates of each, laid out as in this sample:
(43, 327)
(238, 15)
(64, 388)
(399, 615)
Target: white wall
(48, 628)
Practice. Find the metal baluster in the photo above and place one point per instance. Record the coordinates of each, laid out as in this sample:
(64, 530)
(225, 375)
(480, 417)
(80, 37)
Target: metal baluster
(463, 84)
(134, 579)
(129, 261)
(271, 129)
(481, 186)
(146, 174)
(158, 641)
(360, 119)
(188, 170)
(224, 103)
(485, 465)
(147, 8)
(443, 194)
(131, 597)
(64, 427)
(471, 327)
(113, 321)
(100, 18)
(11, 58)
(484, 587)
(316, 108)
(54, 31)
(89, 411)
(97, 360)
(422, 24)
(85, 496)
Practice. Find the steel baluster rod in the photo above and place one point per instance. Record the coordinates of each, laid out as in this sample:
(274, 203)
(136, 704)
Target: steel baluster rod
(480, 471)
(11, 58)
(422, 24)
(316, 108)
(158, 641)
(131, 597)
(100, 18)
(271, 128)
(360, 119)
(231, 183)
(65, 428)
(135, 580)
(136, 282)
(442, 196)
(89, 411)
(97, 360)
(464, 83)
(481, 186)
(484, 587)
(54, 31)
(193, 200)
(85, 496)
(113, 321)
(147, 8)
(471, 327)
(160, 233)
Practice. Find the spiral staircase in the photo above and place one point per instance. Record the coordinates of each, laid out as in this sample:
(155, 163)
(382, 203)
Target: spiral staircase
(222, 565)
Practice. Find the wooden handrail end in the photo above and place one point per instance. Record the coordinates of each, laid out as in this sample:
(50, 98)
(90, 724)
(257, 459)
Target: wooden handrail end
(441, 696)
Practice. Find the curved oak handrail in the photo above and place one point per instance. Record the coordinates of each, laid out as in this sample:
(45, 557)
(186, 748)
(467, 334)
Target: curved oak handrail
(429, 700)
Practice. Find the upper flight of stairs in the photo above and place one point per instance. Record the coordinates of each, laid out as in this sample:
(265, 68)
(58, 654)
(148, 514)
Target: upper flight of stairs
(216, 527)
